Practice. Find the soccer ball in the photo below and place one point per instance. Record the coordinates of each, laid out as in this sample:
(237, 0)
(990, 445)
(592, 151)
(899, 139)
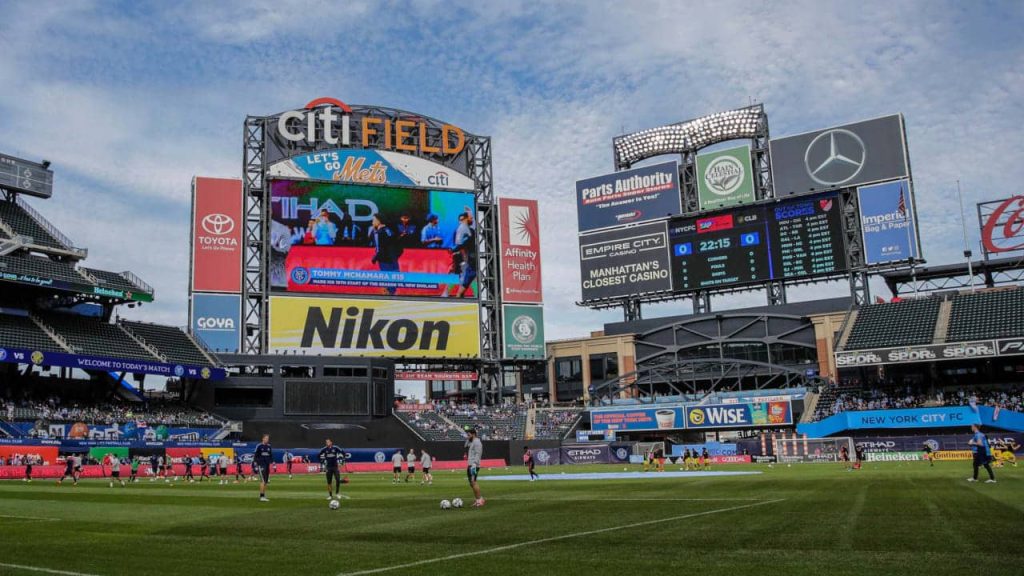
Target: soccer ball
(457, 503)
(446, 505)
(334, 505)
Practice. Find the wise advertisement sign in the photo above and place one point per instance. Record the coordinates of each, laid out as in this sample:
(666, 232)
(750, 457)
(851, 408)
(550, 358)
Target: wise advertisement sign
(372, 240)
(666, 418)
(740, 415)
(217, 320)
(628, 197)
(101, 363)
(519, 223)
(379, 328)
(217, 226)
(370, 167)
(725, 178)
(523, 332)
(887, 222)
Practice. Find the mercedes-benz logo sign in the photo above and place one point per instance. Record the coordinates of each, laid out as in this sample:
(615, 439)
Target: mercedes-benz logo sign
(834, 157)
(218, 224)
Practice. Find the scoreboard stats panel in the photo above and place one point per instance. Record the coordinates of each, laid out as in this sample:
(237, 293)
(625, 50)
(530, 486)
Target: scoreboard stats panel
(784, 241)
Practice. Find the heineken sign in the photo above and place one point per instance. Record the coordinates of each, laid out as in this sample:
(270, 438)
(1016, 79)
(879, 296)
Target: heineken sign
(725, 178)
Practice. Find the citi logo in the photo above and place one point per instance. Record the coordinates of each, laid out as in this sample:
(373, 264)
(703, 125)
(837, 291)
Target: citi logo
(438, 179)
(215, 323)
(218, 224)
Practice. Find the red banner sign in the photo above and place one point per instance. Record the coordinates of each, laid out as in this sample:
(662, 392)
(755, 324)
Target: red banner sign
(217, 224)
(520, 251)
(1002, 228)
(435, 375)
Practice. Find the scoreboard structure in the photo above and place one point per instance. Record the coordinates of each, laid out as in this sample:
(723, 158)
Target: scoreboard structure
(824, 205)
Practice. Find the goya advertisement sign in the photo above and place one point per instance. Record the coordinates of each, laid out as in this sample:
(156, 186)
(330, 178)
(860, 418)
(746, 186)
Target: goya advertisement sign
(725, 178)
(382, 328)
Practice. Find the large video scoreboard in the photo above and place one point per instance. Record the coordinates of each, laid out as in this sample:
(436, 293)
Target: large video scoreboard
(758, 244)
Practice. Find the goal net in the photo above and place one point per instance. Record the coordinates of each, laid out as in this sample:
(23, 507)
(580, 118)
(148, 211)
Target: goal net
(801, 449)
(642, 448)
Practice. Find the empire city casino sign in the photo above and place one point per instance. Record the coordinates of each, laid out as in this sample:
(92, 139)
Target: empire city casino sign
(330, 120)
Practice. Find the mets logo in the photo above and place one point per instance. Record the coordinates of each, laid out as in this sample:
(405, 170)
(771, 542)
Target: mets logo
(179, 370)
(205, 373)
(3, 354)
(300, 275)
(696, 417)
(37, 357)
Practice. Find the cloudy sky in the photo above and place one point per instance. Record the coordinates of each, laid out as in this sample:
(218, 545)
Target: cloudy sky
(129, 101)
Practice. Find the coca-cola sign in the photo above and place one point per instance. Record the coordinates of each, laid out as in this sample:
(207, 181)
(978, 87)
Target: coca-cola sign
(1002, 225)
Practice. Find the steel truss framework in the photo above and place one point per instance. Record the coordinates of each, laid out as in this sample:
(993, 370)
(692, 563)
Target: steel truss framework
(700, 375)
(263, 147)
(982, 274)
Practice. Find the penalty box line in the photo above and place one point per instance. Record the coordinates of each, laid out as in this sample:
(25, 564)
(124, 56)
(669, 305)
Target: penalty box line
(556, 539)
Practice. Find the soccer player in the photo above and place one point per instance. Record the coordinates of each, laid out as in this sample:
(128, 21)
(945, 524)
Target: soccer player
(78, 468)
(69, 471)
(331, 458)
(844, 456)
(238, 468)
(115, 470)
(648, 458)
(29, 460)
(706, 458)
(426, 461)
(153, 468)
(222, 463)
(529, 463)
(410, 461)
(859, 452)
(288, 462)
(474, 456)
(135, 470)
(262, 460)
(203, 468)
(396, 467)
(187, 460)
(928, 455)
(213, 465)
(982, 454)
(660, 456)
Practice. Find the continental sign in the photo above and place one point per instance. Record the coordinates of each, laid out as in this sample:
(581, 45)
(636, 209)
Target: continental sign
(953, 455)
(386, 328)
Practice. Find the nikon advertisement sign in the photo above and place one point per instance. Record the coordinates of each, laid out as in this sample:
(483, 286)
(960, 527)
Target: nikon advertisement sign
(725, 178)
(523, 335)
(383, 328)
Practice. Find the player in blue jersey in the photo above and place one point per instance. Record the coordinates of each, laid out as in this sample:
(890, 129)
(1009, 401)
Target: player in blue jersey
(982, 454)
(332, 458)
(262, 460)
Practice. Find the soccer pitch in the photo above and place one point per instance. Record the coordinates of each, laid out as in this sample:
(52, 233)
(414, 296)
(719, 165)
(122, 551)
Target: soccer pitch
(889, 518)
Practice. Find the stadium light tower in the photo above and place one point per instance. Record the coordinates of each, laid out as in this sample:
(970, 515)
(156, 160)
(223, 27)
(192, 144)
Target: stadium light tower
(963, 227)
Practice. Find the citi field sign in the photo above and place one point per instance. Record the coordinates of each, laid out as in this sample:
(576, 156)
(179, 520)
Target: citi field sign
(331, 121)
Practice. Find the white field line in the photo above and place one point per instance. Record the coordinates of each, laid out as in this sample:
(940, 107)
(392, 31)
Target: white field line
(38, 518)
(554, 539)
(43, 570)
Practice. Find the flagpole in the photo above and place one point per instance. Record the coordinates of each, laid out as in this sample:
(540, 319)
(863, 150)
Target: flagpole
(905, 194)
(963, 227)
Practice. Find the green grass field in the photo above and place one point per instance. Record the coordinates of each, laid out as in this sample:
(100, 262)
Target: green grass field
(890, 518)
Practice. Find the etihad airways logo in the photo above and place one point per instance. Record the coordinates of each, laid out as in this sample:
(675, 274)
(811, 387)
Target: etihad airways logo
(329, 120)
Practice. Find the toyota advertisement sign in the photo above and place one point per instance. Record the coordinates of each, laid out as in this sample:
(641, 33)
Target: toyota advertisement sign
(217, 321)
(628, 197)
(840, 157)
(217, 225)
(625, 262)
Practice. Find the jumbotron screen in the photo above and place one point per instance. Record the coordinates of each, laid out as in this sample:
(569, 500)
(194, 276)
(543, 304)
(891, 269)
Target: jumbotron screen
(352, 239)
(788, 240)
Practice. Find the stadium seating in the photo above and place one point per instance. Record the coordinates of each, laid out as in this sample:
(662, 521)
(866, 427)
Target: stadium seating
(42, 267)
(904, 323)
(169, 341)
(430, 425)
(22, 332)
(493, 423)
(988, 314)
(23, 223)
(91, 336)
(555, 424)
(114, 280)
